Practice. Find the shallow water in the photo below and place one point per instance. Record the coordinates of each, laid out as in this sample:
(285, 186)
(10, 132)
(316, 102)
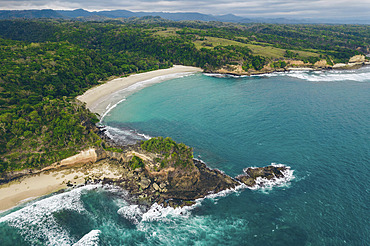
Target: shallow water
(315, 122)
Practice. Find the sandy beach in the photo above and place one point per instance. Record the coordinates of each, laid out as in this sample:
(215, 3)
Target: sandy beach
(30, 187)
(101, 98)
(33, 186)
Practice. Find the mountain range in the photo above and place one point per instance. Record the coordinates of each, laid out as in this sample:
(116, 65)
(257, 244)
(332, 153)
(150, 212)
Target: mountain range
(190, 16)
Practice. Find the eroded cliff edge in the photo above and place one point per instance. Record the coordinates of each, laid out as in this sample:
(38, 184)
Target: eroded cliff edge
(157, 171)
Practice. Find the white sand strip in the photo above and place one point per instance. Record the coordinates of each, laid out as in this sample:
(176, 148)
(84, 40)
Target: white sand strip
(103, 97)
(33, 186)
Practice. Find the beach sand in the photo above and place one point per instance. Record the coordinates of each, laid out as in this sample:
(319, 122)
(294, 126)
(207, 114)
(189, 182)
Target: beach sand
(101, 98)
(30, 187)
(33, 186)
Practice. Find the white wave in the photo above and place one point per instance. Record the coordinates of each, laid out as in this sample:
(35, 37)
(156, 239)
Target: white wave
(90, 239)
(222, 75)
(266, 185)
(155, 80)
(359, 75)
(133, 213)
(37, 221)
(109, 108)
(159, 213)
(124, 136)
(224, 193)
(331, 76)
(147, 137)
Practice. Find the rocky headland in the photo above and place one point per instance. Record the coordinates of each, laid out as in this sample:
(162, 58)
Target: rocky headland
(354, 62)
(156, 171)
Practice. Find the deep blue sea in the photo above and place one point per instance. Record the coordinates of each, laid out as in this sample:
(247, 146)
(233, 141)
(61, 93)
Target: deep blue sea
(318, 123)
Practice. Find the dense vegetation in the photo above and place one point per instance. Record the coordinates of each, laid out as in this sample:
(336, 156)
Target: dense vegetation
(136, 162)
(45, 64)
(175, 154)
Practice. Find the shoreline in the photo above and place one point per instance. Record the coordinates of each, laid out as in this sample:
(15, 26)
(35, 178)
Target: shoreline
(102, 98)
(74, 172)
(287, 70)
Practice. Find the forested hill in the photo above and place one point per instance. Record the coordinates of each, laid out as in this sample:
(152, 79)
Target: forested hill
(45, 64)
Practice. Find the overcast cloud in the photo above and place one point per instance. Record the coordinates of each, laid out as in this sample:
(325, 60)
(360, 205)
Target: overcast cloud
(354, 9)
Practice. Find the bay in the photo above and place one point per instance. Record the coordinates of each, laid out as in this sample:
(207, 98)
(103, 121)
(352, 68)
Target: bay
(315, 122)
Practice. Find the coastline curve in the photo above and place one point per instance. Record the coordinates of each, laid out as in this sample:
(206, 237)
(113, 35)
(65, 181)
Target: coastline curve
(101, 99)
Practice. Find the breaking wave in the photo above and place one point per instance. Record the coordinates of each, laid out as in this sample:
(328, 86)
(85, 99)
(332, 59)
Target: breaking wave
(266, 185)
(124, 136)
(36, 222)
(360, 75)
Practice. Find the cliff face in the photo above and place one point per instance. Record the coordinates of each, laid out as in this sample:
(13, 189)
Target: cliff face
(358, 58)
(172, 185)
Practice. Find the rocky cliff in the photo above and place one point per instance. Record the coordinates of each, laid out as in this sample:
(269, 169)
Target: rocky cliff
(155, 177)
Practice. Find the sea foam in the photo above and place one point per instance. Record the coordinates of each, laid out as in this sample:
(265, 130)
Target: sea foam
(90, 239)
(360, 75)
(124, 135)
(36, 221)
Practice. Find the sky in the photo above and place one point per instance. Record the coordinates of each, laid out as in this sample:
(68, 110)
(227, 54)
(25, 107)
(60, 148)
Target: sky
(346, 9)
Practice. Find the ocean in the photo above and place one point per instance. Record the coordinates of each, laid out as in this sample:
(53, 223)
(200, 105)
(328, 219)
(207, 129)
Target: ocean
(316, 122)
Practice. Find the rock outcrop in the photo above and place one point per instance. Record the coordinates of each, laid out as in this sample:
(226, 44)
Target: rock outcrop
(170, 185)
(254, 176)
(356, 59)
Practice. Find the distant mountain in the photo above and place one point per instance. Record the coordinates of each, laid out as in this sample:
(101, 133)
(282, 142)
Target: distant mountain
(74, 13)
(29, 14)
(78, 13)
(229, 18)
(101, 15)
(181, 16)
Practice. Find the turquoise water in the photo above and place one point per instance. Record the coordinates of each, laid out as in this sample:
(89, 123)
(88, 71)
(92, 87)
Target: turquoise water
(315, 122)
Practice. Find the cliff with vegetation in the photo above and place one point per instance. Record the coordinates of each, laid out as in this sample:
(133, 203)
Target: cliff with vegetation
(155, 171)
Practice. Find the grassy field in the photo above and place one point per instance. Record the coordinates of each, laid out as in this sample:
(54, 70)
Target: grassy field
(210, 42)
(167, 32)
(257, 48)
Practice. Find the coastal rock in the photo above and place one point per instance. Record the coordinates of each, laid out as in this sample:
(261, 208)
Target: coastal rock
(162, 185)
(197, 184)
(144, 183)
(253, 174)
(356, 59)
(321, 64)
(155, 186)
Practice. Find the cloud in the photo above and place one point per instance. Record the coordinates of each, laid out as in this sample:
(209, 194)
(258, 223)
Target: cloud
(247, 8)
